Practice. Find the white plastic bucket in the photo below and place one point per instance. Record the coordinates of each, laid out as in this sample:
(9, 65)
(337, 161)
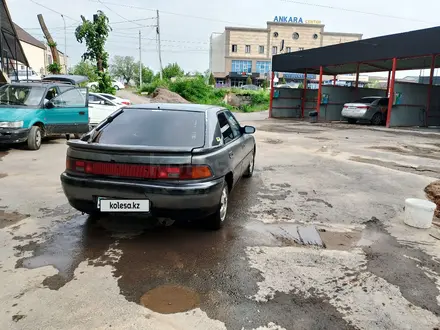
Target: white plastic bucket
(419, 213)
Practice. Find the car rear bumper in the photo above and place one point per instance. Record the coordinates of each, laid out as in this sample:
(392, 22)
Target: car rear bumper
(13, 135)
(185, 201)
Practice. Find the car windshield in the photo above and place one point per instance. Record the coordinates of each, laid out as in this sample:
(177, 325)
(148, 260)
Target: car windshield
(155, 128)
(367, 100)
(21, 95)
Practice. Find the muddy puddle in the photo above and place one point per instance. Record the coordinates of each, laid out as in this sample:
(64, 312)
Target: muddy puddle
(9, 218)
(433, 172)
(411, 150)
(168, 299)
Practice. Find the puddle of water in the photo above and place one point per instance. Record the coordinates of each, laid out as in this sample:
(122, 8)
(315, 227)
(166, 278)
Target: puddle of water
(340, 241)
(170, 299)
(8, 219)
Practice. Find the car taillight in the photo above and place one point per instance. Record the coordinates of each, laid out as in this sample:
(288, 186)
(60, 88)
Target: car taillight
(363, 107)
(168, 172)
(345, 106)
(125, 102)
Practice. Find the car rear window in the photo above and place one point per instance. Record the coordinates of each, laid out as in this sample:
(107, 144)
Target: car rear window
(155, 128)
(366, 100)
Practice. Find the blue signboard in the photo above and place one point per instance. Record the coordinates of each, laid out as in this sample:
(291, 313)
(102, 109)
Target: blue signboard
(288, 19)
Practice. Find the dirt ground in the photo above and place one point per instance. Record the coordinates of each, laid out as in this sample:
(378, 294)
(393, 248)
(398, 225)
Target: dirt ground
(61, 270)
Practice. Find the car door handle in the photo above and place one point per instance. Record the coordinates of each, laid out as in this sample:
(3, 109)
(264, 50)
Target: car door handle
(231, 154)
(82, 112)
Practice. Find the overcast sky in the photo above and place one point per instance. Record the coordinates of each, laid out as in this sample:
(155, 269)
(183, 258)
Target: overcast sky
(186, 25)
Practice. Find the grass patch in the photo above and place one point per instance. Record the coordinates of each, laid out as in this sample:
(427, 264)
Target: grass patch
(196, 90)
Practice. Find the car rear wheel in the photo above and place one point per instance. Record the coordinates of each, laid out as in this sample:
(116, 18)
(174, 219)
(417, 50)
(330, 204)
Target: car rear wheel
(34, 138)
(351, 120)
(377, 119)
(216, 221)
(250, 169)
(116, 87)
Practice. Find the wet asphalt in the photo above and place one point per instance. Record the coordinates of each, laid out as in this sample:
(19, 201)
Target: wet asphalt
(172, 269)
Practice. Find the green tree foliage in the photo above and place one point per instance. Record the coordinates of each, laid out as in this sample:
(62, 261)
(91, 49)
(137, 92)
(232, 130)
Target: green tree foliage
(94, 34)
(283, 80)
(124, 67)
(147, 75)
(264, 84)
(249, 81)
(85, 68)
(54, 68)
(211, 79)
(172, 71)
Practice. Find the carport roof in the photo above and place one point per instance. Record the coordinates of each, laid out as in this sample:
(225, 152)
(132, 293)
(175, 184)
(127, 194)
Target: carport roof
(413, 49)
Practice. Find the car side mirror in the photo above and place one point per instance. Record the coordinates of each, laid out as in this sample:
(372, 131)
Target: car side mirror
(249, 130)
(50, 105)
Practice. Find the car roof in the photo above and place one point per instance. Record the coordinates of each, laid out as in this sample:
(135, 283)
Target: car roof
(176, 106)
(73, 79)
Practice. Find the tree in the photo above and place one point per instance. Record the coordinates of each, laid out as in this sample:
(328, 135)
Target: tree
(124, 67)
(283, 80)
(249, 81)
(172, 70)
(147, 75)
(95, 34)
(211, 80)
(85, 68)
(264, 84)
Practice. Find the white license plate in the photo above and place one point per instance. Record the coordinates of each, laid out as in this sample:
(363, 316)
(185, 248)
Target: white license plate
(123, 205)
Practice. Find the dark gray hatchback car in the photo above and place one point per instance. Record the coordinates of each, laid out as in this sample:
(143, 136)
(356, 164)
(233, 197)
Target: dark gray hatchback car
(174, 161)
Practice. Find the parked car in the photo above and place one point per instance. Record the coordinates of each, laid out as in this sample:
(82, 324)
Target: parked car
(173, 161)
(25, 75)
(371, 109)
(250, 87)
(100, 108)
(117, 100)
(116, 85)
(31, 111)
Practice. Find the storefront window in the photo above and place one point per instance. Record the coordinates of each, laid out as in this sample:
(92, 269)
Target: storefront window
(241, 66)
(264, 66)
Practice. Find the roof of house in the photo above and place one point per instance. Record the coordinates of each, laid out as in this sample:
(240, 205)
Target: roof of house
(27, 38)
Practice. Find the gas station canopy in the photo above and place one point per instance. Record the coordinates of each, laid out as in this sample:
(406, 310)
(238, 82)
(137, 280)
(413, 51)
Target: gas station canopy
(413, 50)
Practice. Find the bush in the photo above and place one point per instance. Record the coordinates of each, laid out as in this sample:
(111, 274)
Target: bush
(194, 90)
(151, 87)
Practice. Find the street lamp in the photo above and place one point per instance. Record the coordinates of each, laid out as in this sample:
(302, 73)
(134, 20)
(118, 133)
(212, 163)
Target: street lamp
(65, 45)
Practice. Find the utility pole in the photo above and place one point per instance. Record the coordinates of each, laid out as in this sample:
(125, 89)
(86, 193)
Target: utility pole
(158, 40)
(65, 45)
(140, 58)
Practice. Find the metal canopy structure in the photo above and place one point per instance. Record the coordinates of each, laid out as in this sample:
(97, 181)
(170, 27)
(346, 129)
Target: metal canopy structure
(402, 51)
(412, 49)
(10, 46)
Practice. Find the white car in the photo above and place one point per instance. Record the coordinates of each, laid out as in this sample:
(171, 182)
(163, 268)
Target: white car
(100, 108)
(23, 75)
(116, 85)
(116, 99)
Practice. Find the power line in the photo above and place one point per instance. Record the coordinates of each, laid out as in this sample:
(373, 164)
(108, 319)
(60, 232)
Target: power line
(357, 11)
(52, 10)
(70, 26)
(172, 13)
(115, 12)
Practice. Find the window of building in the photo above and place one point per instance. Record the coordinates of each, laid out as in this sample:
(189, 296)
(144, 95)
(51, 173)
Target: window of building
(288, 49)
(274, 50)
(295, 36)
(264, 66)
(234, 48)
(241, 66)
(315, 36)
(247, 49)
(301, 48)
(261, 49)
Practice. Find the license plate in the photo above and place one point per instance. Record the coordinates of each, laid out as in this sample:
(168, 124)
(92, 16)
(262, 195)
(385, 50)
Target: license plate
(123, 205)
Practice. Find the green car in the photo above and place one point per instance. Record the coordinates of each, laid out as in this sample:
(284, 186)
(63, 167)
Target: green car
(30, 111)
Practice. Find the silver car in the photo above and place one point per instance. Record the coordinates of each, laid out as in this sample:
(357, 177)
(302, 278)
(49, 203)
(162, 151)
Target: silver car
(172, 161)
(371, 109)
